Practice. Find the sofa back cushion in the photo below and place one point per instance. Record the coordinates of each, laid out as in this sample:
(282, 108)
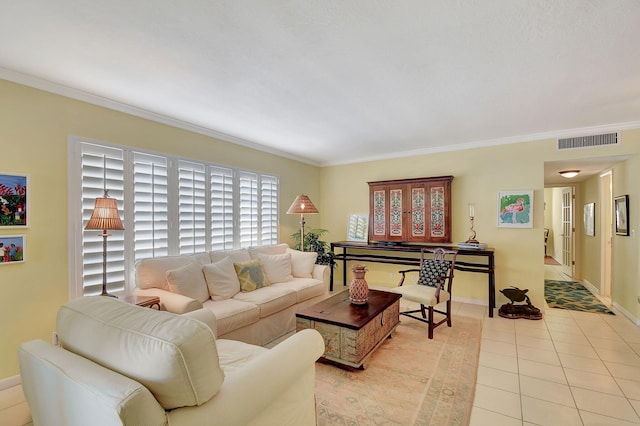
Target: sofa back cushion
(222, 280)
(174, 357)
(240, 255)
(188, 280)
(152, 272)
(272, 249)
(277, 267)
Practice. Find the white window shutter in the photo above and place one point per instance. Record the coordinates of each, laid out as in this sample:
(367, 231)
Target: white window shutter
(101, 167)
(150, 204)
(248, 205)
(269, 210)
(221, 192)
(192, 207)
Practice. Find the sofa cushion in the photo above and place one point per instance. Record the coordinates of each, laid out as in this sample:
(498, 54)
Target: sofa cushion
(237, 256)
(232, 314)
(277, 267)
(151, 273)
(175, 357)
(304, 288)
(302, 263)
(269, 299)
(251, 275)
(189, 281)
(221, 279)
(271, 249)
(234, 355)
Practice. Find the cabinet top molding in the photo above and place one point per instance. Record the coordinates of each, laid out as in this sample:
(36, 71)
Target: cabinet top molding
(412, 180)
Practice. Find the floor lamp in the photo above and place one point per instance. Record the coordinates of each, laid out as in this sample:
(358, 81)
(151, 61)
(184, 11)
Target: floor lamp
(105, 216)
(301, 205)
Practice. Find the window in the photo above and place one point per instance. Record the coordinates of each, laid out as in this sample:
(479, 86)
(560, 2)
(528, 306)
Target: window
(169, 206)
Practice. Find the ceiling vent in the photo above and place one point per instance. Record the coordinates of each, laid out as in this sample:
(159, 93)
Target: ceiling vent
(588, 141)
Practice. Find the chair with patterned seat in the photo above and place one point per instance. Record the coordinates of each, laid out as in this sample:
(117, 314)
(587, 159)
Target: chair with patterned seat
(433, 287)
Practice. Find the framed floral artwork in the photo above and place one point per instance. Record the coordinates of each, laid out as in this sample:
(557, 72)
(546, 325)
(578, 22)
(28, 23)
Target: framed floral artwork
(14, 200)
(12, 249)
(515, 209)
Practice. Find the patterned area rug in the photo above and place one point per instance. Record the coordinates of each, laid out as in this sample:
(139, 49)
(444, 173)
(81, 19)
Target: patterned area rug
(410, 380)
(572, 295)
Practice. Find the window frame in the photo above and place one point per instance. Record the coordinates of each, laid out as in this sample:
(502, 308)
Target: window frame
(76, 222)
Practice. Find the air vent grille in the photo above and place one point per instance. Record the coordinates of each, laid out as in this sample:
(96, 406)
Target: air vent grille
(588, 141)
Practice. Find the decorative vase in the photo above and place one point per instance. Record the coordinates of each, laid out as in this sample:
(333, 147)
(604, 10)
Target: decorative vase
(358, 289)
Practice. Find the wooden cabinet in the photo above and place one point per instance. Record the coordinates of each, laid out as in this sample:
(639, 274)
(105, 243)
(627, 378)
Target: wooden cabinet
(410, 210)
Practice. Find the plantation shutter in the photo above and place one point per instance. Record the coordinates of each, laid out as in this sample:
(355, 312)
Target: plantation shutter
(150, 204)
(221, 192)
(248, 207)
(269, 210)
(192, 207)
(101, 167)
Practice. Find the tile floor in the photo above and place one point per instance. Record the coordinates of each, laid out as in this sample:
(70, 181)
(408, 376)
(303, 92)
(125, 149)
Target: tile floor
(570, 368)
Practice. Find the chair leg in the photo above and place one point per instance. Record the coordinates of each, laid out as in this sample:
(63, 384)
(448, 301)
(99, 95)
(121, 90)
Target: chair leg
(424, 313)
(430, 322)
(449, 313)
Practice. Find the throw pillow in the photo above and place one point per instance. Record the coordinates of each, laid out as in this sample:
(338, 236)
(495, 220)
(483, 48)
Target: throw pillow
(189, 281)
(251, 275)
(221, 279)
(277, 267)
(302, 263)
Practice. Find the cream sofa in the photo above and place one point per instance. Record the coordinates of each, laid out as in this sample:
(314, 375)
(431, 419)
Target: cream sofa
(210, 281)
(123, 364)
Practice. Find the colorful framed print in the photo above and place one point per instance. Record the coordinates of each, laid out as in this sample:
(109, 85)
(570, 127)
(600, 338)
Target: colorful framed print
(515, 209)
(14, 200)
(621, 207)
(589, 219)
(12, 249)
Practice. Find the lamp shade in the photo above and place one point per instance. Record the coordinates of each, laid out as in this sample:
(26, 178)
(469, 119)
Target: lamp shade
(302, 205)
(105, 215)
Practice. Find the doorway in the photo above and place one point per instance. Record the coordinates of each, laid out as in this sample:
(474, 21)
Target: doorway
(606, 232)
(567, 231)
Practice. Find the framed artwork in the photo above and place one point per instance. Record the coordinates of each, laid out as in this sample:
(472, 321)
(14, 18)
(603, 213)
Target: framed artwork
(12, 249)
(621, 206)
(515, 209)
(589, 219)
(358, 227)
(13, 200)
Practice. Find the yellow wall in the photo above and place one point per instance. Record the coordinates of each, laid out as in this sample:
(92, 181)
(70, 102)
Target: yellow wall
(34, 131)
(478, 175)
(590, 255)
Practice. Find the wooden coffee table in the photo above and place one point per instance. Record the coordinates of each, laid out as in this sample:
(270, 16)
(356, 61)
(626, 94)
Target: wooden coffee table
(352, 332)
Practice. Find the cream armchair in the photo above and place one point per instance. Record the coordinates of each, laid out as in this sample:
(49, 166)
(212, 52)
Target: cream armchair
(122, 364)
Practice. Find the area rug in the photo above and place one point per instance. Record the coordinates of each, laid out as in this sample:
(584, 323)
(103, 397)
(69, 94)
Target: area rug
(573, 296)
(410, 380)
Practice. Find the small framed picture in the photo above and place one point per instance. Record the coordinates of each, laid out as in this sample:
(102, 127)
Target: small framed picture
(515, 209)
(12, 249)
(589, 219)
(13, 200)
(358, 228)
(621, 207)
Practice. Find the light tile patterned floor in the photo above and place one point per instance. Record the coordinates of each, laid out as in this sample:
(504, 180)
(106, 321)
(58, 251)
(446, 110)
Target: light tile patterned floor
(571, 368)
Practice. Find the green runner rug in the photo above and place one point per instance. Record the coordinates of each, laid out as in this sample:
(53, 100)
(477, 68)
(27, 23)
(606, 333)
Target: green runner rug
(573, 296)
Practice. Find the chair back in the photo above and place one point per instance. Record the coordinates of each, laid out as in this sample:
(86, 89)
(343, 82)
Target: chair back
(436, 267)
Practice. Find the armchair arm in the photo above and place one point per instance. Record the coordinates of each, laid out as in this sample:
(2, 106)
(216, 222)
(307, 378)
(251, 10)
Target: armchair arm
(206, 316)
(403, 273)
(287, 367)
(172, 302)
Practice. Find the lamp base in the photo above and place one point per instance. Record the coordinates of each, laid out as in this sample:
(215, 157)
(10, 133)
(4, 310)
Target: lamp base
(472, 241)
(109, 295)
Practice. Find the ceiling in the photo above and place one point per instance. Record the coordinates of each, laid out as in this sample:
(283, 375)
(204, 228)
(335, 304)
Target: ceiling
(333, 82)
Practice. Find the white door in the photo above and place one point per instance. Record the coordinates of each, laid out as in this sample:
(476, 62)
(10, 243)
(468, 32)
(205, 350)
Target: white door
(567, 231)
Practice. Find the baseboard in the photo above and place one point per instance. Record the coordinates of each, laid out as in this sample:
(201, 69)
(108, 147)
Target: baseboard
(9, 382)
(627, 314)
(470, 301)
(593, 289)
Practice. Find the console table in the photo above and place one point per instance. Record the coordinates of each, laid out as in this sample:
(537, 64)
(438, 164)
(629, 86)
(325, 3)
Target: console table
(393, 253)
